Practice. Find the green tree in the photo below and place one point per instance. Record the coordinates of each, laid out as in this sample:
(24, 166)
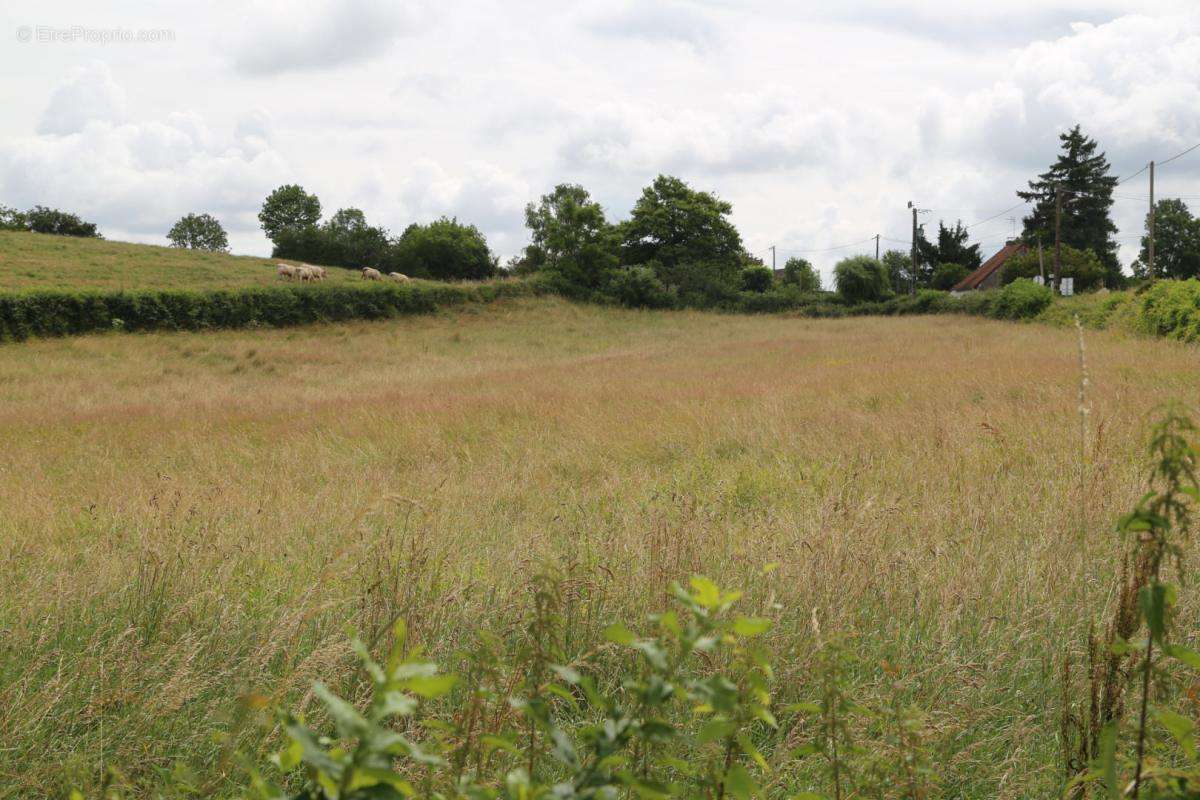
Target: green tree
(1081, 265)
(686, 236)
(1087, 189)
(946, 275)
(757, 278)
(445, 249)
(288, 208)
(199, 232)
(12, 220)
(898, 266)
(861, 279)
(799, 272)
(950, 248)
(571, 239)
(348, 241)
(41, 219)
(1176, 242)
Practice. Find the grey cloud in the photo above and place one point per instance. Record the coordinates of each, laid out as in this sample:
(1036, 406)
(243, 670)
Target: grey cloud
(338, 32)
(669, 21)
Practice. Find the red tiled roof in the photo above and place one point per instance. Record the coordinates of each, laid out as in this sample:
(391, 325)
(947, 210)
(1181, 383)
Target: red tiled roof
(986, 269)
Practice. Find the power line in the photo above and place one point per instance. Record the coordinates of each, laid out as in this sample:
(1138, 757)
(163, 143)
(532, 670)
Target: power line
(1177, 155)
(828, 249)
(997, 215)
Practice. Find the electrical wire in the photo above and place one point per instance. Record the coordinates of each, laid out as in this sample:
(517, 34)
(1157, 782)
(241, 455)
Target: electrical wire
(1177, 155)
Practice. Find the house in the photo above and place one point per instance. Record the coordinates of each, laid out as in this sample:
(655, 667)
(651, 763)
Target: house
(989, 272)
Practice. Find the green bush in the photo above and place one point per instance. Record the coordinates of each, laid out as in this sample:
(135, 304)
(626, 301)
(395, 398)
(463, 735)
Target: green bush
(861, 279)
(61, 313)
(926, 301)
(945, 276)
(799, 272)
(757, 279)
(1171, 309)
(445, 249)
(639, 287)
(1020, 299)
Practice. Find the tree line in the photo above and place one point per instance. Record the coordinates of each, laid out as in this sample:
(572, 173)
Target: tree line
(678, 245)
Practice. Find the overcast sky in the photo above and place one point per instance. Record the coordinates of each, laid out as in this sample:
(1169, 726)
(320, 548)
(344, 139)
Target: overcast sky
(819, 121)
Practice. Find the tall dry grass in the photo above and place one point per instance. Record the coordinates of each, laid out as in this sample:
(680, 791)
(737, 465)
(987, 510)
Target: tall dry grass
(188, 518)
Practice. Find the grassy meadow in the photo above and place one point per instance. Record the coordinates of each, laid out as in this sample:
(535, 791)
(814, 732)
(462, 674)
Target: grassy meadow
(189, 518)
(43, 261)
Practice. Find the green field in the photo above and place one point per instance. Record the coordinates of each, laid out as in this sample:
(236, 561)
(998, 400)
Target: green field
(42, 261)
(188, 518)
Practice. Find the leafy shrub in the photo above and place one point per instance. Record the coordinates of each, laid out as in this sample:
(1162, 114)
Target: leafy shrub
(925, 301)
(1021, 299)
(344, 240)
(757, 279)
(1171, 309)
(945, 276)
(40, 219)
(445, 249)
(799, 272)
(861, 279)
(639, 287)
(11, 219)
(684, 709)
(59, 313)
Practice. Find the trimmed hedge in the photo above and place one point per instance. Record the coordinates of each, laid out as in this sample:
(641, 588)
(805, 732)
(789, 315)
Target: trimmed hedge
(63, 312)
(1019, 300)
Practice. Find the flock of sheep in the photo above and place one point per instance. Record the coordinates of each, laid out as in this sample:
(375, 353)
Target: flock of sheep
(308, 272)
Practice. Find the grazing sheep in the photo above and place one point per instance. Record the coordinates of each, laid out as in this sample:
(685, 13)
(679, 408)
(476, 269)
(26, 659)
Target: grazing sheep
(286, 271)
(305, 273)
(318, 273)
(399, 278)
(370, 274)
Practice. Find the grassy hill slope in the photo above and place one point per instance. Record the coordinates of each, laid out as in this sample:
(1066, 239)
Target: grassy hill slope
(41, 261)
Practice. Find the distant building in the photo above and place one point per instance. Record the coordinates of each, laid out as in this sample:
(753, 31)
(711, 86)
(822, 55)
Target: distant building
(989, 272)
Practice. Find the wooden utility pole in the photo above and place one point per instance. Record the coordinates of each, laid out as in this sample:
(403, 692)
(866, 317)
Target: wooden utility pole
(913, 266)
(1150, 265)
(1041, 261)
(877, 247)
(772, 258)
(1057, 237)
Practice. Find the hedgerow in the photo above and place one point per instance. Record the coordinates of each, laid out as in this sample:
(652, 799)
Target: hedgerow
(61, 313)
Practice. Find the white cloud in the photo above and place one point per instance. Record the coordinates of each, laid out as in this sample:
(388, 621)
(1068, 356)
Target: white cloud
(480, 193)
(670, 21)
(287, 35)
(817, 121)
(89, 94)
(136, 178)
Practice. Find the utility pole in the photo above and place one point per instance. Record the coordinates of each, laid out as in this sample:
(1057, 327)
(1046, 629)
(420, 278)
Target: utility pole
(1057, 237)
(1041, 261)
(913, 267)
(877, 247)
(1151, 259)
(772, 258)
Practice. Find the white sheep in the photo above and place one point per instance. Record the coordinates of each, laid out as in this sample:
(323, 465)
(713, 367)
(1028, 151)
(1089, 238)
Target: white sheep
(399, 278)
(370, 274)
(286, 271)
(318, 273)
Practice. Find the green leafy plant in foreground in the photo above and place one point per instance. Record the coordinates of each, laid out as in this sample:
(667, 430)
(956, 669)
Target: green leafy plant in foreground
(1158, 758)
(701, 687)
